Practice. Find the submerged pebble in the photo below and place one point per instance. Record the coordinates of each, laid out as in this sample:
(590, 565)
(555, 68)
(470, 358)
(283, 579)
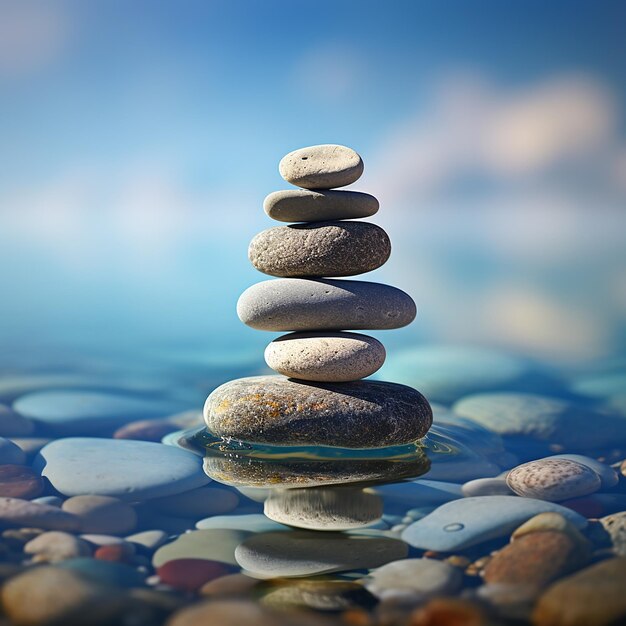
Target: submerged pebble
(13, 424)
(55, 546)
(18, 481)
(22, 513)
(102, 514)
(10, 453)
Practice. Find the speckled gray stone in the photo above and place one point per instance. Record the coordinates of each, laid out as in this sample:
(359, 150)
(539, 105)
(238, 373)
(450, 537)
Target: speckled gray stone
(322, 249)
(303, 304)
(321, 167)
(304, 205)
(303, 553)
(325, 357)
(553, 479)
(361, 414)
(330, 509)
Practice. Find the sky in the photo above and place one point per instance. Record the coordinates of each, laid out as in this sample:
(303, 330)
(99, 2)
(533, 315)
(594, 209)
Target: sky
(138, 140)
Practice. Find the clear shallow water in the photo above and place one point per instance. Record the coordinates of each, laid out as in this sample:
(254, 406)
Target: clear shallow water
(290, 516)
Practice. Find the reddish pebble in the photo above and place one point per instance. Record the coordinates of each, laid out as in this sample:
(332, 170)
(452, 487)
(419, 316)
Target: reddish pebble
(145, 430)
(19, 481)
(191, 574)
(118, 552)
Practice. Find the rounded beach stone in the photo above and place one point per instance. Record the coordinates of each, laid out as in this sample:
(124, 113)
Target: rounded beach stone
(17, 481)
(124, 469)
(467, 522)
(593, 596)
(321, 249)
(84, 412)
(190, 574)
(273, 409)
(197, 503)
(102, 514)
(300, 205)
(331, 509)
(426, 577)
(22, 513)
(234, 612)
(615, 526)
(306, 553)
(553, 479)
(321, 167)
(14, 425)
(48, 595)
(325, 357)
(304, 304)
(55, 546)
(487, 487)
(11, 453)
(543, 418)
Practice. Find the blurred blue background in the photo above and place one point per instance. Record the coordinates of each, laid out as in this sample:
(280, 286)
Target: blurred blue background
(138, 140)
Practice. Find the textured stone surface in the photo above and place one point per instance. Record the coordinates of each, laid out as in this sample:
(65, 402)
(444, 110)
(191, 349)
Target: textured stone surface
(273, 409)
(323, 508)
(125, 469)
(553, 479)
(302, 553)
(102, 514)
(289, 473)
(321, 167)
(321, 249)
(17, 481)
(325, 357)
(424, 576)
(300, 205)
(16, 512)
(607, 474)
(537, 559)
(592, 597)
(306, 304)
(615, 526)
(469, 521)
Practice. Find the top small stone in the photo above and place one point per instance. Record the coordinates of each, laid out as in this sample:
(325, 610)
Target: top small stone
(321, 167)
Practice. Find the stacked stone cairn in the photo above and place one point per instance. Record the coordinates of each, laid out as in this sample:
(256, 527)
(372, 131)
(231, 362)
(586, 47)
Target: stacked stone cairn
(318, 398)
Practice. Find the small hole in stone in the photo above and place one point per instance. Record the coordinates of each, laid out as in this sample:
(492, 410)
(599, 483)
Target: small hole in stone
(451, 528)
(304, 158)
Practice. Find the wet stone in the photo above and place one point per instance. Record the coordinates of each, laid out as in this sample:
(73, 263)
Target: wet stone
(18, 481)
(302, 553)
(22, 513)
(13, 424)
(197, 503)
(299, 205)
(55, 546)
(470, 521)
(325, 357)
(272, 409)
(105, 572)
(300, 304)
(615, 526)
(129, 470)
(190, 574)
(10, 453)
(320, 249)
(487, 487)
(321, 167)
(553, 479)
(426, 577)
(593, 596)
(330, 509)
(102, 514)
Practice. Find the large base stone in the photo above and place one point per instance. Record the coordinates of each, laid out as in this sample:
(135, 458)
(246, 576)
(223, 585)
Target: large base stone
(278, 410)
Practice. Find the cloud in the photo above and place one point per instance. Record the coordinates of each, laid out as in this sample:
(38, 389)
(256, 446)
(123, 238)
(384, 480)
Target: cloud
(33, 35)
(473, 128)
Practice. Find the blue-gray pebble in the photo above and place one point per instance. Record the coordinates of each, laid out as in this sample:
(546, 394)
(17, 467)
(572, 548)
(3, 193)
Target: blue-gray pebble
(126, 469)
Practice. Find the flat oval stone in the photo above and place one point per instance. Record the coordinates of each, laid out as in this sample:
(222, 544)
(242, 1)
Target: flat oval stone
(306, 553)
(322, 249)
(553, 479)
(325, 357)
(321, 167)
(273, 409)
(337, 508)
(305, 304)
(467, 522)
(607, 474)
(544, 419)
(25, 514)
(17, 481)
(102, 514)
(300, 205)
(86, 412)
(125, 469)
